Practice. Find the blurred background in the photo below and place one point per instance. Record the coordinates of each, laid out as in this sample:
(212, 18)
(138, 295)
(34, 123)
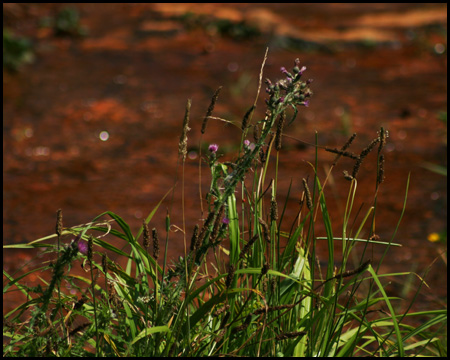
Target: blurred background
(94, 97)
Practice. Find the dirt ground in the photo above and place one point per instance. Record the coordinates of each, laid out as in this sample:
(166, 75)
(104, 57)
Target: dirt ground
(129, 79)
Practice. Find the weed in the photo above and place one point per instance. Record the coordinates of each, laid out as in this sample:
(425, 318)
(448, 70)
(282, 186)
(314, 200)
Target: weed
(263, 295)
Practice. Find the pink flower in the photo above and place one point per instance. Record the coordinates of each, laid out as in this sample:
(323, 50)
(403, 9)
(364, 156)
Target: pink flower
(213, 148)
(83, 247)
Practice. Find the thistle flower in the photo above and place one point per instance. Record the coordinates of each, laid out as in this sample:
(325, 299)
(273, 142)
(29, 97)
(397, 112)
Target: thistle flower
(82, 247)
(213, 148)
(289, 91)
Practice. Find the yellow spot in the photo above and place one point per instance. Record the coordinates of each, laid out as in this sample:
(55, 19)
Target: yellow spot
(434, 237)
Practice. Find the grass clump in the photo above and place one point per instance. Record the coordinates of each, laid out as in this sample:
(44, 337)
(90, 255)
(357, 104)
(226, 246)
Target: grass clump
(17, 51)
(263, 294)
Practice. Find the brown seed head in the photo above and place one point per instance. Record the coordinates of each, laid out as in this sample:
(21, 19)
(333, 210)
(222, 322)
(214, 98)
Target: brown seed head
(307, 194)
(247, 117)
(155, 244)
(210, 109)
(59, 223)
(182, 145)
(280, 130)
(194, 239)
(265, 230)
(230, 276)
(146, 235)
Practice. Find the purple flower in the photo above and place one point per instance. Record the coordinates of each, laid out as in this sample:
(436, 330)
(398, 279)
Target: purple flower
(225, 220)
(306, 103)
(83, 247)
(213, 148)
(246, 143)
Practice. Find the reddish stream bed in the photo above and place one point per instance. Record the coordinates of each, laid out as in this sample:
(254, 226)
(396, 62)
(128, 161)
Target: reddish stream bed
(129, 79)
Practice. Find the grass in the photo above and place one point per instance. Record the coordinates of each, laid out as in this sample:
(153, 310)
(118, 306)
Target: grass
(248, 284)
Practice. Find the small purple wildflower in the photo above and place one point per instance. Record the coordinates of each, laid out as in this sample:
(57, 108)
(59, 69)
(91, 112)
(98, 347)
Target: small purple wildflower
(213, 148)
(225, 220)
(306, 103)
(83, 247)
(246, 143)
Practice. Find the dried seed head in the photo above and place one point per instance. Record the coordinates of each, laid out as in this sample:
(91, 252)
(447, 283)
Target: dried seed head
(380, 177)
(273, 210)
(363, 155)
(59, 223)
(348, 143)
(263, 309)
(104, 265)
(221, 310)
(210, 108)
(369, 148)
(90, 246)
(244, 326)
(341, 153)
(280, 130)
(382, 135)
(256, 133)
(146, 235)
(182, 145)
(290, 335)
(155, 244)
(375, 237)
(347, 176)
(262, 155)
(264, 269)
(230, 276)
(265, 230)
(217, 224)
(205, 227)
(224, 320)
(194, 239)
(307, 194)
(248, 246)
(247, 117)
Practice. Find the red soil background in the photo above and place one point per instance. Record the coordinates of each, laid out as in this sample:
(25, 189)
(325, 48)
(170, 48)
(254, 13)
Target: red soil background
(373, 65)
